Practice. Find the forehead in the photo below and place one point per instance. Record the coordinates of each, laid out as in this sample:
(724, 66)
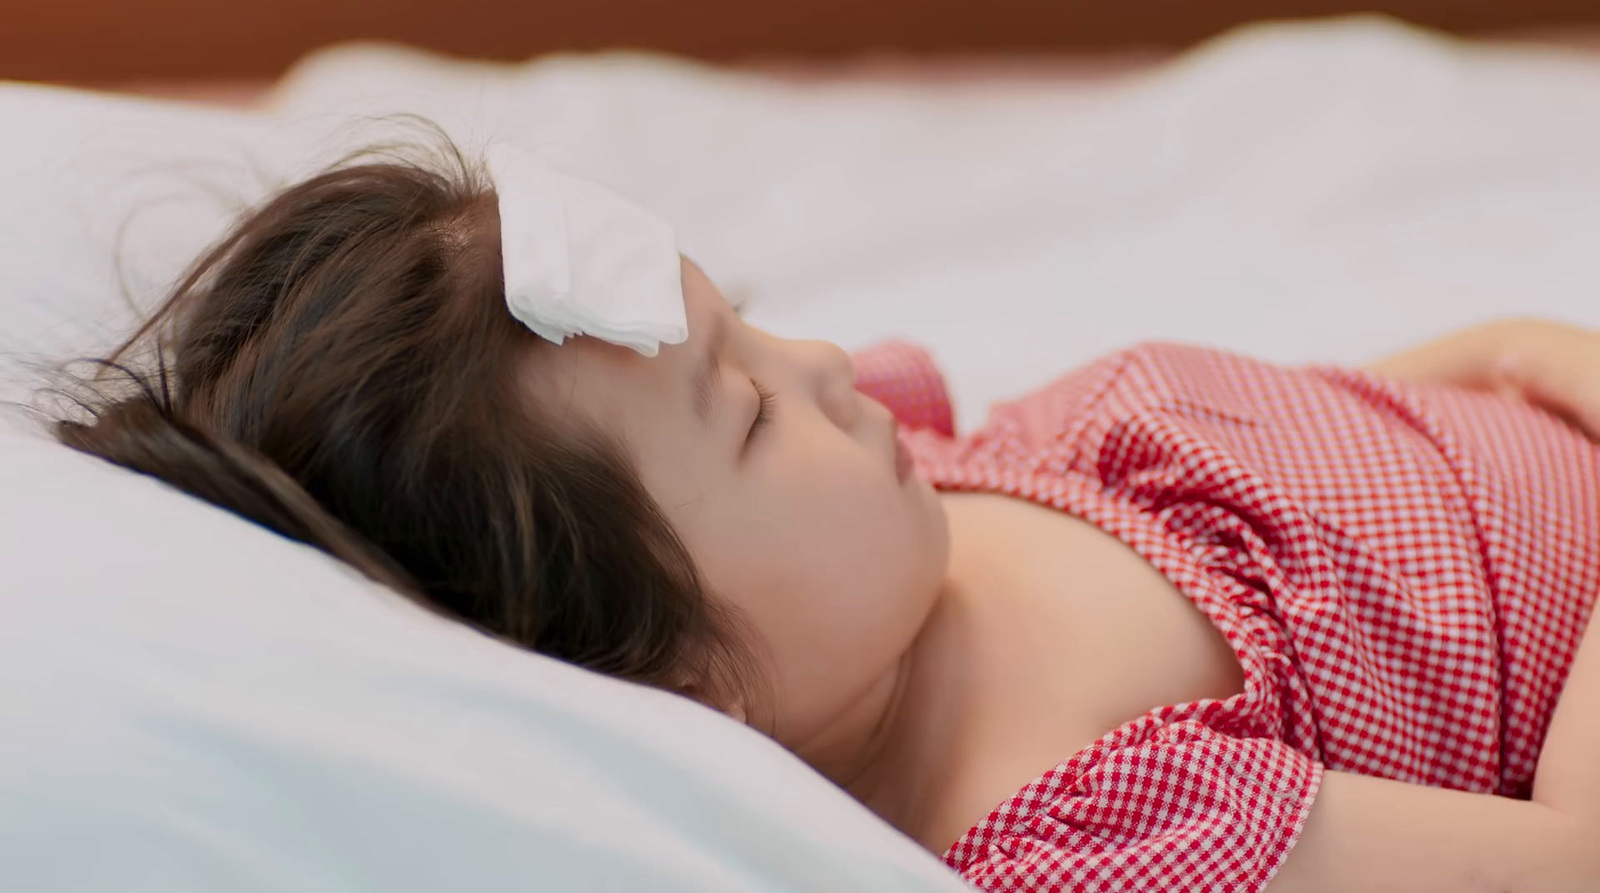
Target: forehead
(586, 380)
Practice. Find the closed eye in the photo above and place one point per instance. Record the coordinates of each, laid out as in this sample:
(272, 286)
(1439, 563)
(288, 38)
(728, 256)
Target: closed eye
(769, 403)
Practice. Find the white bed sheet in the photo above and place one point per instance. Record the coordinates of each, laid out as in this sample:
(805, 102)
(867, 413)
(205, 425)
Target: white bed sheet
(1323, 191)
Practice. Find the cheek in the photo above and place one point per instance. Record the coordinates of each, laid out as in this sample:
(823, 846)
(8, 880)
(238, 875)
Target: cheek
(831, 558)
(816, 523)
(835, 523)
(848, 573)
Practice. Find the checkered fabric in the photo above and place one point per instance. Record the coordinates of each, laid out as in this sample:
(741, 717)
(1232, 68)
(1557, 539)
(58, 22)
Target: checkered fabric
(903, 377)
(1403, 570)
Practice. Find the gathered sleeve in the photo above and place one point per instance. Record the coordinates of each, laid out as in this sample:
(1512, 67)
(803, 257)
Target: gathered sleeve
(904, 377)
(1173, 806)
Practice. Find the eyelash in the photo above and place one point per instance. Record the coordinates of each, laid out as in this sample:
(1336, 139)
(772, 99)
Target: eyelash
(769, 402)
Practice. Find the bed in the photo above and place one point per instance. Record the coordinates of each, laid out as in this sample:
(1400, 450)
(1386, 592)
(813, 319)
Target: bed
(193, 704)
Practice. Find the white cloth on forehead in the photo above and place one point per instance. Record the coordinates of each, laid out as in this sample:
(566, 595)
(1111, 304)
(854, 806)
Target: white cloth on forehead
(582, 260)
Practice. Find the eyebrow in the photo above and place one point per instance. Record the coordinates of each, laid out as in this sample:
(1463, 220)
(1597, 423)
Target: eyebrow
(706, 371)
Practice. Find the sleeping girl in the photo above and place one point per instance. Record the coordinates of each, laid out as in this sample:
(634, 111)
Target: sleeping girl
(1177, 619)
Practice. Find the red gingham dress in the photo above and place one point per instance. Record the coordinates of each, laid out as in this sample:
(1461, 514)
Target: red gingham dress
(1403, 570)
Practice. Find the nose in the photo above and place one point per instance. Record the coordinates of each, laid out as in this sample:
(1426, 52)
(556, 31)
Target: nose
(832, 376)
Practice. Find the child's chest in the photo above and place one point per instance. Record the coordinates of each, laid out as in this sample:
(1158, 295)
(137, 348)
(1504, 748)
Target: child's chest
(1066, 633)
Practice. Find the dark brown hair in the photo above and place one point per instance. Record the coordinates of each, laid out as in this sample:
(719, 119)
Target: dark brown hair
(341, 368)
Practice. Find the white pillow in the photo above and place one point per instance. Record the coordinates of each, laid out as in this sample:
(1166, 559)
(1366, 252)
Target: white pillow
(192, 703)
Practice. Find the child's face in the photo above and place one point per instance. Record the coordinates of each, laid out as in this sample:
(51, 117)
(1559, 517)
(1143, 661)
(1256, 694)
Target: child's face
(802, 523)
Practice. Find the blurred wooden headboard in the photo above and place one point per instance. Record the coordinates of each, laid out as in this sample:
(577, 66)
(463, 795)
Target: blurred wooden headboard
(104, 41)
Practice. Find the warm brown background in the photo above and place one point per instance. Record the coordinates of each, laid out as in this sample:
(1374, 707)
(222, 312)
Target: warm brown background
(109, 41)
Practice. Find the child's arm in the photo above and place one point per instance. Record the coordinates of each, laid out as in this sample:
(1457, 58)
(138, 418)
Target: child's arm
(1568, 775)
(1550, 363)
(1374, 835)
